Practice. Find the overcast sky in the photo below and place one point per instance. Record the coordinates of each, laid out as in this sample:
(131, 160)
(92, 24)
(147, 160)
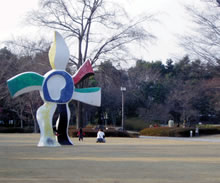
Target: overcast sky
(173, 21)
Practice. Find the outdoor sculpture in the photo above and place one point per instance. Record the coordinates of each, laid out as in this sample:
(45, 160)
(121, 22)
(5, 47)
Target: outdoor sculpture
(57, 89)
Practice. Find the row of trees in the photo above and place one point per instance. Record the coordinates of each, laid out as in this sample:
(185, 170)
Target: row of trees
(184, 91)
(187, 90)
(20, 109)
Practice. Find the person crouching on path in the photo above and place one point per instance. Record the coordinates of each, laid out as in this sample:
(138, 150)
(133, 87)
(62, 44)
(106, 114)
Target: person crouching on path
(100, 136)
(80, 134)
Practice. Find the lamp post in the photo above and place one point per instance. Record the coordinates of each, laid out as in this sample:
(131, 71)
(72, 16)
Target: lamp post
(123, 89)
(106, 119)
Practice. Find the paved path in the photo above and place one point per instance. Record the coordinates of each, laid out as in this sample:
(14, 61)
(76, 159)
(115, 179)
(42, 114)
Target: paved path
(212, 138)
(120, 160)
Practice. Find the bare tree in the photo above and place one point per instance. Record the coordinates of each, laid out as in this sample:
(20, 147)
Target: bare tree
(24, 47)
(12, 64)
(181, 97)
(156, 113)
(97, 29)
(204, 42)
(7, 60)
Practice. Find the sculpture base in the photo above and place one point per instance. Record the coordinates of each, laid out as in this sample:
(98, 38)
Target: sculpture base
(48, 142)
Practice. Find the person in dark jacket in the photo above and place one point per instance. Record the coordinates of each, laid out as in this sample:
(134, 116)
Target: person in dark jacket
(80, 134)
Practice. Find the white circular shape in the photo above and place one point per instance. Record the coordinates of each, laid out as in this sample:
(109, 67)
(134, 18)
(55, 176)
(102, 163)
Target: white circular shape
(55, 84)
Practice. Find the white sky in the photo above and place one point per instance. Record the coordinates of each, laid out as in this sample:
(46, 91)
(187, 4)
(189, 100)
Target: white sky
(171, 14)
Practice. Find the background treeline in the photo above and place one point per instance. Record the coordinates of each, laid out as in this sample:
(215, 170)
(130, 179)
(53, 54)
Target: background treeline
(186, 91)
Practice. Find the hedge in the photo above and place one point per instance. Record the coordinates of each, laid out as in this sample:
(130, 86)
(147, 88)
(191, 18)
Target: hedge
(178, 132)
(90, 132)
(15, 130)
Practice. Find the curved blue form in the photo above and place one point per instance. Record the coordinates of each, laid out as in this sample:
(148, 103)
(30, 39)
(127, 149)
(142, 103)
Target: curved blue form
(62, 125)
(66, 92)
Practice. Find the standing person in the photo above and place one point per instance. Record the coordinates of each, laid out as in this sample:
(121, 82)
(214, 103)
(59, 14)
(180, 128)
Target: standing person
(80, 134)
(100, 136)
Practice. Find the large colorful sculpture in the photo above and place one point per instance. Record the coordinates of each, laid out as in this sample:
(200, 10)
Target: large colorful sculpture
(57, 89)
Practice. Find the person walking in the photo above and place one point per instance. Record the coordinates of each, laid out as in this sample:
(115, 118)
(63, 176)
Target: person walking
(80, 134)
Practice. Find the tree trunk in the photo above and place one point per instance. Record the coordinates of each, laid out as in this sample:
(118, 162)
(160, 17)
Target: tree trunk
(79, 117)
(36, 128)
(22, 126)
(79, 108)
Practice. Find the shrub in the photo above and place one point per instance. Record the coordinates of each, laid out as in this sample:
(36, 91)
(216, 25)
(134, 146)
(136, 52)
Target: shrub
(160, 131)
(90, 126)
(15, 130)
(90, 132)
(135, 124)
(178, 132)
